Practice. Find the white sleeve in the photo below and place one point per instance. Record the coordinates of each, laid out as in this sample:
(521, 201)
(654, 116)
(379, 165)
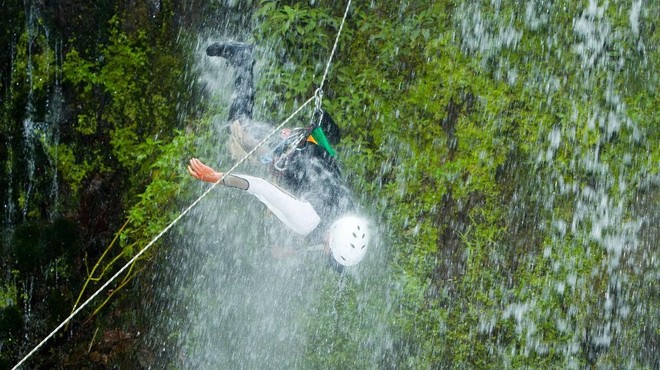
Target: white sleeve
(296, 214)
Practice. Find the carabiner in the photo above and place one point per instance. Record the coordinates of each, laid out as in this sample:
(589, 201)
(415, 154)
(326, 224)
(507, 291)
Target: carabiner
(318, 98)
(279, 167)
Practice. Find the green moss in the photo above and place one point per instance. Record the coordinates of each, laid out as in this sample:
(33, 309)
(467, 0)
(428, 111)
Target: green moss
(453, 146)
(475, 158)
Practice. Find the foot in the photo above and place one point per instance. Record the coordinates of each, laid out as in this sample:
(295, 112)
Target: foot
(230, 50)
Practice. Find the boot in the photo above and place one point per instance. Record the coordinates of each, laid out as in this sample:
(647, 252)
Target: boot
(238, 55)
(235, 52)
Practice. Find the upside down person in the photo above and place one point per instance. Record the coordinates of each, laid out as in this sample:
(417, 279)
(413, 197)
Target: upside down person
(316, 204)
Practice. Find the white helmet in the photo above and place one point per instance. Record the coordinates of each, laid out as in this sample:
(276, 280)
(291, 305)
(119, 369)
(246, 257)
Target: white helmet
(348, 240)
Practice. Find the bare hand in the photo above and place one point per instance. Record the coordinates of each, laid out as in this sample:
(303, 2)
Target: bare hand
(200, 171)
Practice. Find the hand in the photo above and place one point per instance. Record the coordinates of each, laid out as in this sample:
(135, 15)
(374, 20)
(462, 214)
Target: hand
(200, 171)
(285, 133)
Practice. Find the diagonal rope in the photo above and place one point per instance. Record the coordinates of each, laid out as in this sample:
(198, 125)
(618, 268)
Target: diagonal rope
(334, 47)
(146, 247)
(319, 92)
(191, 206)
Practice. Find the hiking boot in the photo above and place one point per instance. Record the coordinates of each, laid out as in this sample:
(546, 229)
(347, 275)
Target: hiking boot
(232, 51)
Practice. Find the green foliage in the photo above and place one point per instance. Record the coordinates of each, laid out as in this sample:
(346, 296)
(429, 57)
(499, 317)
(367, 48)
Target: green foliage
(449, 133)
(499, 148)
(35, 62)
(134, 120)
(146, 217)
(107, 144)
(301, 39)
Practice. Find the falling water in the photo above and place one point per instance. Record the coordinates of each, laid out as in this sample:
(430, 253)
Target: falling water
(40, 124)
(49, 132)
(602, 226)
(228, 303)
(30, 187)
(28, 123)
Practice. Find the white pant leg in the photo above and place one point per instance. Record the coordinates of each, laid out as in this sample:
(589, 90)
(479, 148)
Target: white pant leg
(296, 214)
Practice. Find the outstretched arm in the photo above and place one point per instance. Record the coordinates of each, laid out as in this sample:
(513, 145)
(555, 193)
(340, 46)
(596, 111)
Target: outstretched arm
(296, 214)
(200, 171)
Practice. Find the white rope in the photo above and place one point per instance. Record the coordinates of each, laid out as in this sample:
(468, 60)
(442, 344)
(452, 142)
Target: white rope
(334, 47)
(190, 207)
(141, 252)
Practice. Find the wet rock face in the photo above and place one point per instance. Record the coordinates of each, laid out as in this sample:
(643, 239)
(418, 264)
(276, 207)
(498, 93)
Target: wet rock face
(35, 244)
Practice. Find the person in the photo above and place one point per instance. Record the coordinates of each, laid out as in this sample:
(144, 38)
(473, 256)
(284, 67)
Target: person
(307, 194)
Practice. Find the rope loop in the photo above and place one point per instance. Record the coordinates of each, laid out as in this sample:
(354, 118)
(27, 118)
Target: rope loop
(318, 99)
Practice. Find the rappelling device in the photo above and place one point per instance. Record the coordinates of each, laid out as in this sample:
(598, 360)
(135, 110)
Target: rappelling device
(300, 137)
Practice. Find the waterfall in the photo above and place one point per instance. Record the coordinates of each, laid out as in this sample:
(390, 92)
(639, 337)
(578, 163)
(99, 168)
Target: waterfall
(595, 249)
(32, 113)
(31, 158)
(504, 152)
(231, 304)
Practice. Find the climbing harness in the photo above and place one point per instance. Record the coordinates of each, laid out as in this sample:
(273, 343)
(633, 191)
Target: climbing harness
(280, 155)
(292, 146)
(284, 148)
(317, 98)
